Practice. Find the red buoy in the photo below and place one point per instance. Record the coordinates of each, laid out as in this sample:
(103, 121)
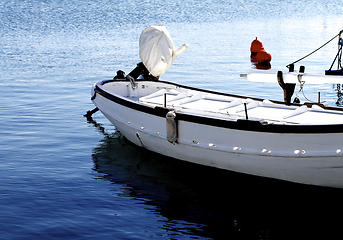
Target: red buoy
(256, 46)
(263, 57)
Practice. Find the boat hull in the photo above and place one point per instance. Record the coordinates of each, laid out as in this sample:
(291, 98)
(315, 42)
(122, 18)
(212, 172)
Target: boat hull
(308, 158)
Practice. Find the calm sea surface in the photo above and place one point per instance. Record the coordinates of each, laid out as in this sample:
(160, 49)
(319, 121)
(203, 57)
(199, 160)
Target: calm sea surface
(62, 177)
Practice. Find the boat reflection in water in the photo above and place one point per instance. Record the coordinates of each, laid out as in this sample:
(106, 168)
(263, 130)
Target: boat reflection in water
(206, 202)
(338, 90)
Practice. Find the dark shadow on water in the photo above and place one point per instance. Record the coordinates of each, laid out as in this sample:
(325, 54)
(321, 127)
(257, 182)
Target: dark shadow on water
(223, 204)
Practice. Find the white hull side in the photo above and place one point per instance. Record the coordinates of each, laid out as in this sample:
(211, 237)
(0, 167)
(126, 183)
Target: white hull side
(304, 158)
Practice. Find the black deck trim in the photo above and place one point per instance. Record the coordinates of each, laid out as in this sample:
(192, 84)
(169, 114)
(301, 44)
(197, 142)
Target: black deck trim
(241, 124)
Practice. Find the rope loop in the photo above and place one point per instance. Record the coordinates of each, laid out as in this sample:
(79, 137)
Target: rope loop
(301, 89)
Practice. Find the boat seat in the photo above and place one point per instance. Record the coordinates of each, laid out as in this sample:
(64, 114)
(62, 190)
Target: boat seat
(299, 110)
(192, 99)
(158, 97)
(234, 103)
(237, 106)
(177, 97)
(250, 105)
(202, 102)
(153, 95)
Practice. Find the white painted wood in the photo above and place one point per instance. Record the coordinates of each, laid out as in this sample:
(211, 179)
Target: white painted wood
(309, 158)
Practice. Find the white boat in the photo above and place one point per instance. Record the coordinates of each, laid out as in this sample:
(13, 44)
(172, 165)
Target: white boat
(293, 142)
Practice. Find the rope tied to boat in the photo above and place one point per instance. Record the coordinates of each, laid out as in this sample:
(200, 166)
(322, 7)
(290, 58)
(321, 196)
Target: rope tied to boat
(301, 89)
(288, 66)
(134, 85)
(299, 77)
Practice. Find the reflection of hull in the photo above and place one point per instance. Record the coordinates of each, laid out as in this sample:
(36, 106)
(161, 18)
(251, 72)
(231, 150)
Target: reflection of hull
(204, 202)
(283, 149)
(165, 184)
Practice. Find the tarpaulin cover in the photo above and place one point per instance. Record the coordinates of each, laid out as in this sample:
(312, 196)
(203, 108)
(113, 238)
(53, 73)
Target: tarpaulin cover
(157, 50)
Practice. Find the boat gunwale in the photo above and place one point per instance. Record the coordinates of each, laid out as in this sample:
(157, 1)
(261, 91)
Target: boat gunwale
(240, 124)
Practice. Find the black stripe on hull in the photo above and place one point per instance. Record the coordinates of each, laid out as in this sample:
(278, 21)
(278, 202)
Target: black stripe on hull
(241, 124)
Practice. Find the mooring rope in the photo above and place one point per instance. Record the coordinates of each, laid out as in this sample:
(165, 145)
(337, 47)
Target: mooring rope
(301, 89)
(315, 50)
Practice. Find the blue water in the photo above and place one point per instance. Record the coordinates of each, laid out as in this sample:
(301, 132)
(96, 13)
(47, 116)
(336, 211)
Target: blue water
(65, 178)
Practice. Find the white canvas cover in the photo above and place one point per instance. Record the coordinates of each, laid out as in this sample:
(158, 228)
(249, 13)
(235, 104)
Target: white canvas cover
(157, 50)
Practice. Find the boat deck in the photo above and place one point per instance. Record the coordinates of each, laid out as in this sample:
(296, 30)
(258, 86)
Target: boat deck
(226, 106)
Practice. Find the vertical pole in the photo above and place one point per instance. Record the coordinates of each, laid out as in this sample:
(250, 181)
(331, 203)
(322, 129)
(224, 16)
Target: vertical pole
(165, 100)
(318, 97)
(291, 67)
(246, 111)
(339, 50)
